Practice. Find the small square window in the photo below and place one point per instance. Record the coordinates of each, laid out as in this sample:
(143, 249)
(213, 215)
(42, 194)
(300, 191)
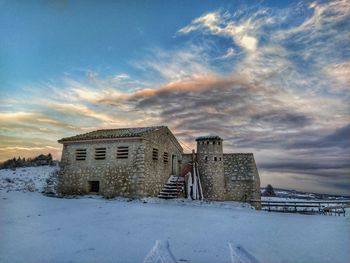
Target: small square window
(94, 186)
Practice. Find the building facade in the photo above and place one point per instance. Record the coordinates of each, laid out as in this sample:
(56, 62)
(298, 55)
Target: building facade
(131, 162)
(138, 162)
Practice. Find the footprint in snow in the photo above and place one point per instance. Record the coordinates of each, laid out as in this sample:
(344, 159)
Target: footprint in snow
(240, 255)
(160, 253)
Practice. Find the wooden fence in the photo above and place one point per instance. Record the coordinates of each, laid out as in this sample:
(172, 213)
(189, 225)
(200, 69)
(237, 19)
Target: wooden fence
(305, 207)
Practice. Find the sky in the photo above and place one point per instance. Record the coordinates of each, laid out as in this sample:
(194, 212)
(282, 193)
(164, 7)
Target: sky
(269, 77)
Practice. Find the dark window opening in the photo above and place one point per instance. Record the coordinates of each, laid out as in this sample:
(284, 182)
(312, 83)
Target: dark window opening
(207, 142)
(166, 157)
(80, 154)
(206, 158)
(94, 186)
(220, 159)
(155, 154)
(100, 153)
(215, 158)
(218, 143)
(123, 152)
(213, 142)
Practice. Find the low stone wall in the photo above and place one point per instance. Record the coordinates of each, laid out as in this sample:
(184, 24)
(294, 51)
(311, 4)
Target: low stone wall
(242, 180)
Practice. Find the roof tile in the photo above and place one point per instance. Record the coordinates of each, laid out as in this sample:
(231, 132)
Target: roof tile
(112, 133)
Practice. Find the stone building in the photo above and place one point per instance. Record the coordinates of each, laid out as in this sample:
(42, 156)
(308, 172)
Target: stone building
(149, 161)
(226, 176)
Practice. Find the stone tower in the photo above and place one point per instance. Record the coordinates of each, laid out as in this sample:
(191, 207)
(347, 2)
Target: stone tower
(211, 167)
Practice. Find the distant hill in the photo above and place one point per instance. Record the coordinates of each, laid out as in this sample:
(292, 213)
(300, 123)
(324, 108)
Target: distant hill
(286, 193)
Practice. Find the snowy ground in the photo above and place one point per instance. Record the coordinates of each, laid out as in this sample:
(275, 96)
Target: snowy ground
(28, 179)
(36, 228)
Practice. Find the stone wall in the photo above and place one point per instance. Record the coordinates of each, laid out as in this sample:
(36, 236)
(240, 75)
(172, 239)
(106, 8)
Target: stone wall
(242, 180)
(138, 175)
(158, 171)
(116, 176)
(185, 161)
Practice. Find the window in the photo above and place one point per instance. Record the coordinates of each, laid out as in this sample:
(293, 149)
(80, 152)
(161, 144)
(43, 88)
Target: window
(215, 158)
(166, 157)
(219, 143)
(155, 154)
(123, 152)
(207, 142)
(220, 159)
(205, 158)
(94, 186)
(213, 142)
(100, 153)
(80, 154)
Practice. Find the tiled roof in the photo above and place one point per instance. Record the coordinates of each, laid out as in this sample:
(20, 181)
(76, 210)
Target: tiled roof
(112, 133)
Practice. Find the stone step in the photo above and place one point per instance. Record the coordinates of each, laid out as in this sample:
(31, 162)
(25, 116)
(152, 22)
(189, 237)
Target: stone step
(168, 194)
(167, 197)
(171, 183)
(171, 189)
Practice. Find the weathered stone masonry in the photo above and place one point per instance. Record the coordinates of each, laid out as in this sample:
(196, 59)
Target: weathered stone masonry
(137, 162)
(226, 176)
(138, 175)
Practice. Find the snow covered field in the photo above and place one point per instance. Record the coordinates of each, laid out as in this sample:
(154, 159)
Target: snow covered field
(36, 228)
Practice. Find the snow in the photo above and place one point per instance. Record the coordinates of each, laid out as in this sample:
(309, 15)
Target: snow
(240, 255)
(160, 253)
(37, 228)
(32, 179)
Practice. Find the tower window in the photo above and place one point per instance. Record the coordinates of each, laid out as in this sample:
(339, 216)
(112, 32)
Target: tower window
(207, 142)
(215, 158)
(219, 143)
(205, 158)
(213, 142)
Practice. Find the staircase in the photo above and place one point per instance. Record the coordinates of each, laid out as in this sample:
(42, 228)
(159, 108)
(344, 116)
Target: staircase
(173, 188)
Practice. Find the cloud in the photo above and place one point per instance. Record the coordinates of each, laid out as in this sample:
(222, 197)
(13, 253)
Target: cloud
(340, 73)
(272, 82)
(229, 53)
(174, 65)
(217, 23)
(339, 138)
